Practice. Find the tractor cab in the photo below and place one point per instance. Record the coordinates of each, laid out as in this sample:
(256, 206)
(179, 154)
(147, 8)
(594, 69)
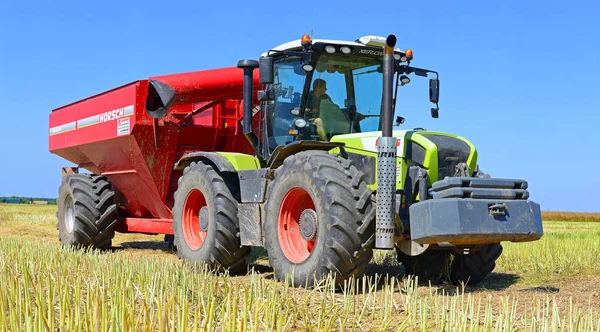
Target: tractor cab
(317, 89)
(343, 96)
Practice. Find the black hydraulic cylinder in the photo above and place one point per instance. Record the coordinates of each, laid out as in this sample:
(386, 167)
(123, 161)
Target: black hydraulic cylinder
(388, 86)
(248, 66)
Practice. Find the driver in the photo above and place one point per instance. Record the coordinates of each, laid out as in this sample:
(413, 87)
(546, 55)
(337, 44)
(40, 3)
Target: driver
(317, 95)
(329, 119)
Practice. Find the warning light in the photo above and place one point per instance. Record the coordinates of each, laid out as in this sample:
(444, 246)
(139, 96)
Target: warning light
(292, 132)
(409, 54)
(306, 42)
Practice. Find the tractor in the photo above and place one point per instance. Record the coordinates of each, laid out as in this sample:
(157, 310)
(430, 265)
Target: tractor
(295, 152)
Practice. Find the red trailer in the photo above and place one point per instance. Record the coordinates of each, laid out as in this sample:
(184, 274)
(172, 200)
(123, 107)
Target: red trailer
(112, 136)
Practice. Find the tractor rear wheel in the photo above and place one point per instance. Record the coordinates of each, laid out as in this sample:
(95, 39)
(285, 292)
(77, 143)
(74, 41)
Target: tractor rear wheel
(472, 268)
(319, 219)
(87, 213)
(205, 220)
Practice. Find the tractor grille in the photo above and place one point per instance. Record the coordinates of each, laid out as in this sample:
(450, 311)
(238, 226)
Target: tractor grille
(451, 152)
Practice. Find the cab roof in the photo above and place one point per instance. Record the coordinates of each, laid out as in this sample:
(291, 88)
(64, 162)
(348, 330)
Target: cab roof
(361, 42)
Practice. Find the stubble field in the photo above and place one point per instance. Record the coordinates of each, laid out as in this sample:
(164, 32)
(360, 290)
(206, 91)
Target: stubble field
(140, 285)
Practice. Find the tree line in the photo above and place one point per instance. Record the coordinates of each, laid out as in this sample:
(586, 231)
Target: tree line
(26, 200)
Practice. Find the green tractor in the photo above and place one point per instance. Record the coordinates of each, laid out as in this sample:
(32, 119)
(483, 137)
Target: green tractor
(331, 181)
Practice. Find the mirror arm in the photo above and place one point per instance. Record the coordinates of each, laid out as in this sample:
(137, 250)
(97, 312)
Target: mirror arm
(395, 92)
(404, 69)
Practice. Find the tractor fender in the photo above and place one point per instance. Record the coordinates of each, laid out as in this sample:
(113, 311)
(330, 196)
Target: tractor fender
(219, 161)
(223, 161)
(284, 151)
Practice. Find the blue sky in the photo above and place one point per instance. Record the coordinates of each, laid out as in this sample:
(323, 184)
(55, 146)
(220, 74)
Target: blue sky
(517, 79)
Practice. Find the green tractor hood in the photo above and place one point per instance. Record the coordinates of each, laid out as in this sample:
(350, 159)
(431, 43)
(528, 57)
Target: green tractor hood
(438, 153)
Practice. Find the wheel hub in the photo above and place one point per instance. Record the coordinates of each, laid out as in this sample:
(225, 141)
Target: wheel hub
(203, 215)
(69, 215)
(308, 224)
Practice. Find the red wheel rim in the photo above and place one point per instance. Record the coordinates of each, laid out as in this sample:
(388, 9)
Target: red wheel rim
(295, 248)
(190, 219)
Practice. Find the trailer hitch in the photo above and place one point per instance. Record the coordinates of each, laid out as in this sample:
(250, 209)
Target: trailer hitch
(498, 210)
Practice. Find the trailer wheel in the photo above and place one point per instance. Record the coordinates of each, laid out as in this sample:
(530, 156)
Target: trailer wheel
(87, 213)
(474, 267)
(319, 219)
(429, 266)
(205, 222)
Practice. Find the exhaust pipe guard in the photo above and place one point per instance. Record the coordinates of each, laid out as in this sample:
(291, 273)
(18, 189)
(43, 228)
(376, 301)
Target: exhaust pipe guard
(386, 153)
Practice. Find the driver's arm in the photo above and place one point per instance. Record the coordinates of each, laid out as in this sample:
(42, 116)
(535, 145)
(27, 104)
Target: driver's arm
(320, 129)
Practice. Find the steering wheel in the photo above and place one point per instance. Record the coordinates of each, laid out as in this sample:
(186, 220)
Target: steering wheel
(420, 129)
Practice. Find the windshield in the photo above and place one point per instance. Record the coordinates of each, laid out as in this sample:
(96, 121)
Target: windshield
(345, 94)
(344, 97)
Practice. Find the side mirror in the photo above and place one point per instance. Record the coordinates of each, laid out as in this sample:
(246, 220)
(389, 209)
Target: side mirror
(434, 90)
(435, 113)
(288, 92)
(265, 70)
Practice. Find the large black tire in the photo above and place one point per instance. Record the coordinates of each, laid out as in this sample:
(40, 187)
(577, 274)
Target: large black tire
(343, 212)
(87, 213)
(219, 247)
(430, 266)
(475, 266)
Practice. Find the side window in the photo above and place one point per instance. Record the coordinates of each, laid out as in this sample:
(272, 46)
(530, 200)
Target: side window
(288, 86)
(367, 102)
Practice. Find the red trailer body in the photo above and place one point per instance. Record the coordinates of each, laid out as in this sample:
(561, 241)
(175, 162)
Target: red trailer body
(110, 134)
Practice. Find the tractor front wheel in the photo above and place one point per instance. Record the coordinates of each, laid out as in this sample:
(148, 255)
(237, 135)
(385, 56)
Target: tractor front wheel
(87, 213)
(436, 266)
(319, 219)
(472, 268)
(205, 221)
(430, 266)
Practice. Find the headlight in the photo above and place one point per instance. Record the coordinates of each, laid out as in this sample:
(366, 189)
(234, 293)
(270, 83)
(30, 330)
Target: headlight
(299, 122)
(404, 80)
(329, 49)
(345, 49)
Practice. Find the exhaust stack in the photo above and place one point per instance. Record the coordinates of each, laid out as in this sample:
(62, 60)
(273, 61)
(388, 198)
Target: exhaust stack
(386, 152)
(248, 66)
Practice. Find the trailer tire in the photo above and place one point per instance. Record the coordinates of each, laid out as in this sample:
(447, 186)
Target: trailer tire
(430, 266)
(202, 200)
(474, 267)
(319, 220)
(87, 213)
